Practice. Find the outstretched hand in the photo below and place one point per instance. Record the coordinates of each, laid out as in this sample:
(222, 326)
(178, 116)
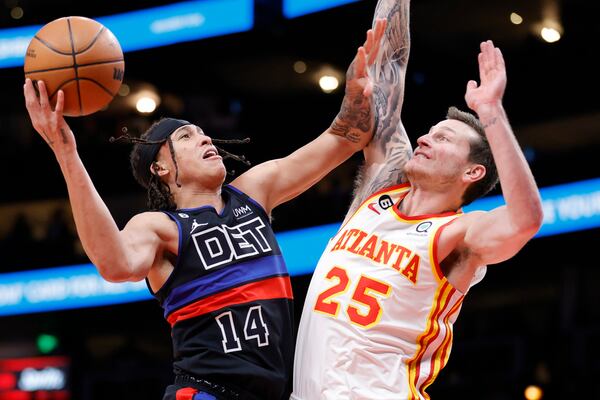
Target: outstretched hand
(49, 123)
(357, 76)
(356, 118)
(492, 73)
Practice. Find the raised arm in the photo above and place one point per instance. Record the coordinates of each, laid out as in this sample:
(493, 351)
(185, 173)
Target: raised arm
(498, 235)
(276, 181)
(119, 256)
(390, 147)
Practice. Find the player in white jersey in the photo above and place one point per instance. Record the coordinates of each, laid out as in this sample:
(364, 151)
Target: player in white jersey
(378, 317)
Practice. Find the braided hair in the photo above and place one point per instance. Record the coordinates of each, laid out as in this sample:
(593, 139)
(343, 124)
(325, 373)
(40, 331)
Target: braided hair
(144, 152)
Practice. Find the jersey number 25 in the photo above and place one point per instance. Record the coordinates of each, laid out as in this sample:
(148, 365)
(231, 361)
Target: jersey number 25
(364, 294)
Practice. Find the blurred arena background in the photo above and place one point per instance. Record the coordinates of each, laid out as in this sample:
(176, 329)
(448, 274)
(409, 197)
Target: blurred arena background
(255, 73)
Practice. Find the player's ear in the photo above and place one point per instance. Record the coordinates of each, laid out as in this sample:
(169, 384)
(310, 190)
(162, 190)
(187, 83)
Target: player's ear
(474, 173)
(158, 168)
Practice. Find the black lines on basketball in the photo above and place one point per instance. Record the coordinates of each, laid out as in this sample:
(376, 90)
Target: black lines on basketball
(92, 42)
(48, 45)
(99, 84)
(35, 71)
(71, 66)
(75, 65)
(79, 56)
(51, 95)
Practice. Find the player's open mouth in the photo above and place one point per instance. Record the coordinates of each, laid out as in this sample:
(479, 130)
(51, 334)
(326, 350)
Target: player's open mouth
(418, 153)
(210, 153)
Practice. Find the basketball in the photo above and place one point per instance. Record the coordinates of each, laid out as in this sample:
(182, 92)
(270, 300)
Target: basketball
(82, 58)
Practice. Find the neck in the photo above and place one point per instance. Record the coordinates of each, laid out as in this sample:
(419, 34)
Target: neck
(423, 201)
(193, 198)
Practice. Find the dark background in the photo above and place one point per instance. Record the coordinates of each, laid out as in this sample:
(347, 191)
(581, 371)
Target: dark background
(533, 320)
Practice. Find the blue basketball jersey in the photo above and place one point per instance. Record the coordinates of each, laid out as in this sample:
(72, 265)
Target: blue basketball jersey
(229, 299)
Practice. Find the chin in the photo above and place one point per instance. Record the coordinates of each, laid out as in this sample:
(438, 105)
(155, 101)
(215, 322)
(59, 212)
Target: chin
(412, 167)
(221, 175)
(415, 173)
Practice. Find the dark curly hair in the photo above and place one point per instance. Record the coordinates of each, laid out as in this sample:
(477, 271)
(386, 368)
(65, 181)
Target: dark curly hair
(143, 154)
(159, 196)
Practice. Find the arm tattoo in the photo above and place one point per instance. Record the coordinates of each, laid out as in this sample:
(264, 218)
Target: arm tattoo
(355, 117)
(390, 147)
(63, 133)
(489, 123)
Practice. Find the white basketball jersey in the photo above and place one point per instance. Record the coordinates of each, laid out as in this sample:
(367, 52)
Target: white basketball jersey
(377, 321)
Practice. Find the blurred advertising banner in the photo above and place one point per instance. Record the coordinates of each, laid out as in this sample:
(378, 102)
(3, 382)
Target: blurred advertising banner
(567, 208)
(34, 378)
(297, 8)
(63, 288)
(152, 27)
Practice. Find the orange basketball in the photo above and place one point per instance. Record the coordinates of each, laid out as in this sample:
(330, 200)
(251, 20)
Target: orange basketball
(81, 57)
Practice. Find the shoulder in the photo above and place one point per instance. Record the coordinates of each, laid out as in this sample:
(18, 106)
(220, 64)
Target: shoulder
(453, 234)
(149, 218)
(152, 222)
(257, 182)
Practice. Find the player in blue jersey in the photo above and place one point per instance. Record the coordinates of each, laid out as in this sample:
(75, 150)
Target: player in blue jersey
(207, 251)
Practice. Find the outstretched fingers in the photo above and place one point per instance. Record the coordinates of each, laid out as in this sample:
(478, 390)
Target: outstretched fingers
(369, 42)
(44, 103)
(361, 63)
(484, 63)
(60, 103)
(31, 100)
(378, 34)
(491, 60)
(499, 58)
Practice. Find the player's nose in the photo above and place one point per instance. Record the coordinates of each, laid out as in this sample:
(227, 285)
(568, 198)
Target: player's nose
(423, 141)
(204, 140)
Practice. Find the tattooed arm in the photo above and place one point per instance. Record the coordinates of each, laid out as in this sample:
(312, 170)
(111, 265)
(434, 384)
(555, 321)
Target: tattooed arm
(355, 121)
(276, 181)
(390, 147)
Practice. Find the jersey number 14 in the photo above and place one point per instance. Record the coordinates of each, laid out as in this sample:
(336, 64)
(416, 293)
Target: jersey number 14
(255, 329)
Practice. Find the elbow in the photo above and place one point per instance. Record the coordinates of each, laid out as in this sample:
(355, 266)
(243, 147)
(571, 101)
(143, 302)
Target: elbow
(531, 223)
(112, 272)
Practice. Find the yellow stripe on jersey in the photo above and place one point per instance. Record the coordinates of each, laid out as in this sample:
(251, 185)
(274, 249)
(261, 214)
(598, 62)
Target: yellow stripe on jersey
(440, 356)
(439, 304)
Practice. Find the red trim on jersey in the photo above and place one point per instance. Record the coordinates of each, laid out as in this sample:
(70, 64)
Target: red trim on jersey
(385, 190)
(446, 352)
(371, 197)
(421, 217)
(272, 288)
(187, 393)
(434, 249)
(427, 338)
(443, 347)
